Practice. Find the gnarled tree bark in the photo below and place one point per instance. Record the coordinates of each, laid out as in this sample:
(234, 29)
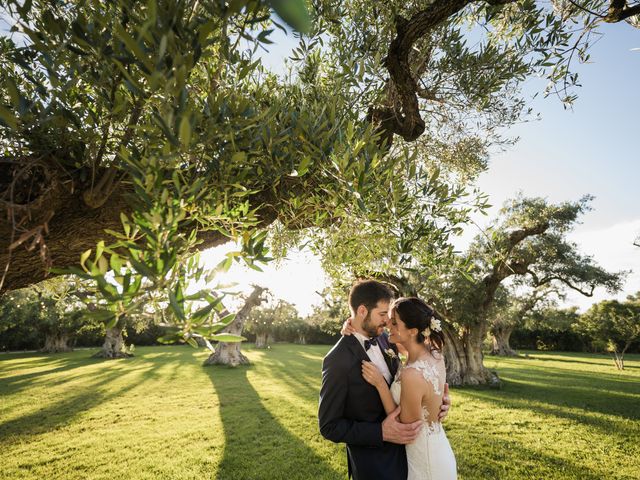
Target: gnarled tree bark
(500, 338)
(56, 343)
(114, 345)
(68, 226)
(262, 340)
(227, 353)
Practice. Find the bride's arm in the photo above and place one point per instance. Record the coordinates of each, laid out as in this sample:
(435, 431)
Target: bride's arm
(372, 375)
(413, 389)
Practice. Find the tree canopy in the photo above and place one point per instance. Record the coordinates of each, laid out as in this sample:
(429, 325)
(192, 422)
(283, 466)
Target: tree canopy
(613, 324)
(135, 133)
(527, 241)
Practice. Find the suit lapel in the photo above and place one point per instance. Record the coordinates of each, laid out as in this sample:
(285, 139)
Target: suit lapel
(392, 363)
(356, 348)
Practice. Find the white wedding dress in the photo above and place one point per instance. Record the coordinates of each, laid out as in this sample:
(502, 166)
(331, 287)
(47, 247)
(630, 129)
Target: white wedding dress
(430, 456)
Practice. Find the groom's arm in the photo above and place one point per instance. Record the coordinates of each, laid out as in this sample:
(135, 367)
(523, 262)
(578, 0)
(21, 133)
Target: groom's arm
(333, 396)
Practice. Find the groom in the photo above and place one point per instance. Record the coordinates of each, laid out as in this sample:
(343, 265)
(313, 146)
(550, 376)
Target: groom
(350, 409)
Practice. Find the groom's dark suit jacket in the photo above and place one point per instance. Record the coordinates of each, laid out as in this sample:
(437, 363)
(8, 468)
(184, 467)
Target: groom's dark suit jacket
(351, 412)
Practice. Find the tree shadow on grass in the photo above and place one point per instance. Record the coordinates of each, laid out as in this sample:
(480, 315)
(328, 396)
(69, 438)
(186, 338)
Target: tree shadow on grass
(15, 383)
(608, 412)
(597, 362)
(614, 380)
(491, 457)
(77, 401)
(630, 367)
(600, 361)
(297, 374)
(602, 393)
(52, 365)
(256, 445)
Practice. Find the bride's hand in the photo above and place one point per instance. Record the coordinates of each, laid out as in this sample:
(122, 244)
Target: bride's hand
(372, 374)
(347, 328)
(446, 403)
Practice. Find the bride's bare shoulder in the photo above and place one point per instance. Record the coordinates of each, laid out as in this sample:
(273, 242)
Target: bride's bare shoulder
(411, 375)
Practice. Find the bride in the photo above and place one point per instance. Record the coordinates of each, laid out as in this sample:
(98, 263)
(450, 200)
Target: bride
(418, 387)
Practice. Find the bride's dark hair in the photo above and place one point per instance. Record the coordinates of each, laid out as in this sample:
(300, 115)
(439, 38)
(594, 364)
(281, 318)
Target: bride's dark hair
(416, 313)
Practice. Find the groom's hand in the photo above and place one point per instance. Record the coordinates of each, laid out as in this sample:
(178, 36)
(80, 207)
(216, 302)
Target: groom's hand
(402, 433)
(446, 403)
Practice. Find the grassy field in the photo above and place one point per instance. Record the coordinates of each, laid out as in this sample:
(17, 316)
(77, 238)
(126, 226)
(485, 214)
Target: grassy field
(161, 415)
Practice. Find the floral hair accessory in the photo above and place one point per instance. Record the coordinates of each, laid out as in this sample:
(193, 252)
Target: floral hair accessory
(434, 326)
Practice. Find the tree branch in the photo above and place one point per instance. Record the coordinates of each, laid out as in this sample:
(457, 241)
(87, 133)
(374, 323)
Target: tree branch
(98, 194)
(517, 236)
(619, 11)
(405, 119)
(569, 284)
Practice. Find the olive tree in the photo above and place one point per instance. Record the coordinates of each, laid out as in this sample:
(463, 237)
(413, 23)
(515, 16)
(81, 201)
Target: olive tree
(267, 320)
(614, 324)
(49, 313)
(528, 240)
(512, 308)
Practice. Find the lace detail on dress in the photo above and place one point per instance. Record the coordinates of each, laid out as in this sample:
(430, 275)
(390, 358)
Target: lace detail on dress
(433, 375)
(429, 372)
(433, 428)
(430, 456)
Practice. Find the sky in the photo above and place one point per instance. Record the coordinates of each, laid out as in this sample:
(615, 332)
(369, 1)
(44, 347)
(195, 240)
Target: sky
(590, 149)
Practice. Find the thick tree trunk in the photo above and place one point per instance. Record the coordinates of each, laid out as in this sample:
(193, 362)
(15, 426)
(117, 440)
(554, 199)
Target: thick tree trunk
(476, 373)
(454, 357)
(56, 343)
(464, 358)
(229, 353)
(61, 218)
(113, 346)
(72, 228)
(262, 340)
(500, 338)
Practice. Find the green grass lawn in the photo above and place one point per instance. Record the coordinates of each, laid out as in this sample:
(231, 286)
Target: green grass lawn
(161, 415)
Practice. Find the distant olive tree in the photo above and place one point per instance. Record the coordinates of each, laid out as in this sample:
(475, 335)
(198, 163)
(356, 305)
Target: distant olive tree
(265, 321)
(50, 313)
(613, 325)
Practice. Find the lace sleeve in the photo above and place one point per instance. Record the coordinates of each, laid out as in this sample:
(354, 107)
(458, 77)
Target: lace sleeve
(430, 373)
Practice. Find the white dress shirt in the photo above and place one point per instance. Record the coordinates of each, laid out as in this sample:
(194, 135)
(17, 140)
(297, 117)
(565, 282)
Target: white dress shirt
(376, 356)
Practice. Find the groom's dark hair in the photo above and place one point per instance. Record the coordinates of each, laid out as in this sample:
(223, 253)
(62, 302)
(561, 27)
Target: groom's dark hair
(369, 293)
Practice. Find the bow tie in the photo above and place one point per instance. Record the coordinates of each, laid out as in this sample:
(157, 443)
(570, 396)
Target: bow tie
(371, 341)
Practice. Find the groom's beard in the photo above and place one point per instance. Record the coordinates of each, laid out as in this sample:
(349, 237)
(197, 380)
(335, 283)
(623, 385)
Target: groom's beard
(368, 326)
